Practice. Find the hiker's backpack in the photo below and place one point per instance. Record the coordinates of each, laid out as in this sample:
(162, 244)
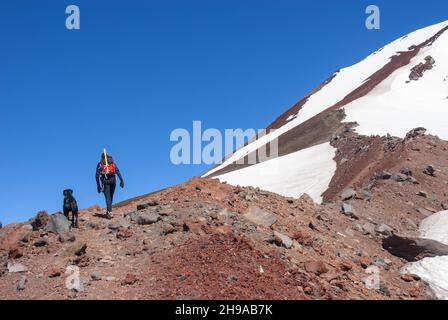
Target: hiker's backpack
(109, 169)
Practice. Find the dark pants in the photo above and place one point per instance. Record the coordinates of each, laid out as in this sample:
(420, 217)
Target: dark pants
(109, 190)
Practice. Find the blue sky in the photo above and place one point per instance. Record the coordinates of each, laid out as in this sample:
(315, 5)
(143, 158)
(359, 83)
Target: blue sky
(136, 70)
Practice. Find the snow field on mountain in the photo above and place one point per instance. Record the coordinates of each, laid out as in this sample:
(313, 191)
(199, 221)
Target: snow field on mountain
(396, 107)
(349, 79)
(306, 171)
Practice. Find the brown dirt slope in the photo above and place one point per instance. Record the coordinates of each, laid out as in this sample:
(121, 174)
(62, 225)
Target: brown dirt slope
(207, 240)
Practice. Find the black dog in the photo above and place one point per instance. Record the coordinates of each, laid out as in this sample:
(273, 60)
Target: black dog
(70, 205)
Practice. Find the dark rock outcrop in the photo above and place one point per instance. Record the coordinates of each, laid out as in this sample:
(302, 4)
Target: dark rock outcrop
(420, 131)
(418, 71)
(414, 249)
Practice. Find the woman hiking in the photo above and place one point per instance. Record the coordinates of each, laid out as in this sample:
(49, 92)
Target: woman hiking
(106, 171)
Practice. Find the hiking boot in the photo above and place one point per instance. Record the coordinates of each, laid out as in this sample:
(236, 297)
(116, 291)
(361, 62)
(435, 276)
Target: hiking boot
(109, 215)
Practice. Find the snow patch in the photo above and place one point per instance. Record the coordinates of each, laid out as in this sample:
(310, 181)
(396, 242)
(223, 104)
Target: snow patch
(433, 271)
(435, 227)
(306, 171)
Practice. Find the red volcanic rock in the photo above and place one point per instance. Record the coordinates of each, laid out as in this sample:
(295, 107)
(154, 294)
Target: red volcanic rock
(15, 253)
(129, 280)
(365, 262)
(55, 272)
(124, 233)
(346, 266)
(40, 221)
(316, 267)
(303, 238)
(408, 277)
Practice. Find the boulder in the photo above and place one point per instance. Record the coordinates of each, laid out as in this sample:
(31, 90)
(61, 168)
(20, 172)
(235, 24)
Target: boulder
(147, 218)
(42, 242)
(15, 253)
(416, 132)
(164, 210)
(129, 280)
(21, 284)
(348, 210)
(260, 217)
(368, 228)
(124, 222)
(55, 271)
(430, 171)
(25, 237)
(16, 267)
(385, 175)
(196, 227)
(110, 278)
(67, 237)
(77, 249)
(96, 276)
(58, 224)
(145, 205)
(365, 262)
(283, 240)
(40, 221)
(412, 180)
(124, 233)
(114, 226)
(316, 267)
(306, 199)
(366, 194)
(93, 225)
(167, 228)
(406, 171)
(384, 290)
(384, 229)
(383, 263)
(414, 249)
(304, 238)
(422, 194)
(399, 177)
(348, 194)
(409, 277)
(80, 249)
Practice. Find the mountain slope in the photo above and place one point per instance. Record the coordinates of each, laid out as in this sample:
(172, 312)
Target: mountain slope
(375, 96)
(207, 240)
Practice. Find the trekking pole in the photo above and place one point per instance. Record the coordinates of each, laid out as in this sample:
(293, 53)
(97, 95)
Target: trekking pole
(107, 168)
(105, 159)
